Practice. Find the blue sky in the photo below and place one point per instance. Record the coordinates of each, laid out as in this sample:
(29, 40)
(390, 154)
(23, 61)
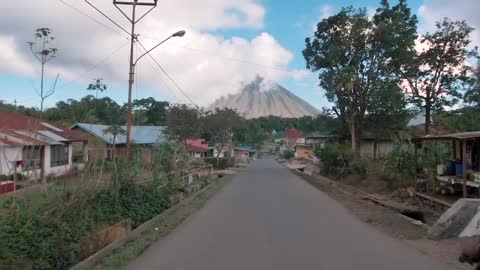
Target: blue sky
(288, 22)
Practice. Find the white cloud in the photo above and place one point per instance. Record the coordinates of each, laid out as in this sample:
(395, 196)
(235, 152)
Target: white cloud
(210, 65)
(326, 11)
(435, 10)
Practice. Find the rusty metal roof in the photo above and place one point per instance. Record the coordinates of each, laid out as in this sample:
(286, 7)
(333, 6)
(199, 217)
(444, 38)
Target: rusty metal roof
(456, 136)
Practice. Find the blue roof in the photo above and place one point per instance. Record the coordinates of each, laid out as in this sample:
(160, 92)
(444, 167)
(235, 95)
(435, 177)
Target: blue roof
(140, 134)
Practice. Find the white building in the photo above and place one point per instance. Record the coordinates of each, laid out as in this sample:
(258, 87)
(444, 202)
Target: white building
(26, 143)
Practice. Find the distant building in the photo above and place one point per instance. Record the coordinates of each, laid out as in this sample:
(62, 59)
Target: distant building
(27, 142)
(304, 151)
(144, 138)
(293, 137)
(318, 139)
(197, 148)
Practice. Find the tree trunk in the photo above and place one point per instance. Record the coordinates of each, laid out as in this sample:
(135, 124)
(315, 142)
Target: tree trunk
(427, 117)
(41, 91)
(43, 176)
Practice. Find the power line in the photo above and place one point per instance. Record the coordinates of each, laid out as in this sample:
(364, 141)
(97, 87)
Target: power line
(224, 57)
(94, 66)
(165, 83)
(166, 74)
(90, 17)
(108, 18)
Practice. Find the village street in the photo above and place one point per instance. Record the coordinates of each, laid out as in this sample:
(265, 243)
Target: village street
(268, 218)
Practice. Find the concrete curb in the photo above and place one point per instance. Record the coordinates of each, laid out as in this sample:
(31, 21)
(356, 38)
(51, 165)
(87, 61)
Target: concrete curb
(132, 235)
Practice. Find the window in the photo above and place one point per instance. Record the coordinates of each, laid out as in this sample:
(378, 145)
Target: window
(32, 156)
(58, 155)
(139, 155)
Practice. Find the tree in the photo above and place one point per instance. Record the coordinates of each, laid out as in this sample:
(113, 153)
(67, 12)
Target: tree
(221, 125)
(439, 72)
(115, 130)
(358, 57)
(148, 111)
(183, 122)
(97, 86)
(43, 53)
(472, 96)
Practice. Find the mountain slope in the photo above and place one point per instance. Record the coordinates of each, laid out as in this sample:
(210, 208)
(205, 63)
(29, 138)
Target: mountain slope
(253, 101)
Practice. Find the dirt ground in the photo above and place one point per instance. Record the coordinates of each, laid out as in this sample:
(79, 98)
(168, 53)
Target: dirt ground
(390, 222)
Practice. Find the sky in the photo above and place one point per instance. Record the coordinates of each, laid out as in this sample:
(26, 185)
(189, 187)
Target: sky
(227, 44)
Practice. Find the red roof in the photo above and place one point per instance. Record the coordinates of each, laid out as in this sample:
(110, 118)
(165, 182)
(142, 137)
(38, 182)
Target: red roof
(15, 121)
(197, 145)
(293, 133)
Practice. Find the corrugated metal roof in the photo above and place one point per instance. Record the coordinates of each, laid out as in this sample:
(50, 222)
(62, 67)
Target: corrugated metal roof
(459, 136)
(17, 121)
(140, 134)
(23, 137)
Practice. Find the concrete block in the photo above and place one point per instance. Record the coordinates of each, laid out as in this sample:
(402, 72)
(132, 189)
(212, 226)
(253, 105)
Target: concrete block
(462, 219)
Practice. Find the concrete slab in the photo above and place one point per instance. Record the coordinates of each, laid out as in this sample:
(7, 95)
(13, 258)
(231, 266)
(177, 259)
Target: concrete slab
(460, 220)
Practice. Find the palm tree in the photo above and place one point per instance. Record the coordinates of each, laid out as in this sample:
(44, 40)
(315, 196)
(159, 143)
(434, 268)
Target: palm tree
(115, 130)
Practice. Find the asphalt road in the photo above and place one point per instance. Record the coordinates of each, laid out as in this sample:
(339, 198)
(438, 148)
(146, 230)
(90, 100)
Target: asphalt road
(268, 218)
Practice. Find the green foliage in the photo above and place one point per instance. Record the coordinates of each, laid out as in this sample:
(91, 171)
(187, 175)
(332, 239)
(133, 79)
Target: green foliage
(183, 122)
(437, 75)
(148, 111)
(220, 163)
(288, 154)
(360, 59)
(360, 167)
(48, 230)
(400, 168)
(11, 177)
(433, 154)
(464, 119)
(335, 157)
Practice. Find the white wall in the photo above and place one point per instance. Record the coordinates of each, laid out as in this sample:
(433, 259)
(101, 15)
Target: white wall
(367, 149)
(8, 155)
(58, 170)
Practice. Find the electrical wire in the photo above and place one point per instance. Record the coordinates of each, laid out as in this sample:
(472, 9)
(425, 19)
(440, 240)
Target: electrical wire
(165, 85)
(94, 66)
(221, 56)
(108, 18)
(91, 18)
(168, 76)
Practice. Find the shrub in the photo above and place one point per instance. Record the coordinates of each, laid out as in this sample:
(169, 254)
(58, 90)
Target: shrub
(400, 166)
(288, 154)
(359, 166)
(220, 163)
(335, 157)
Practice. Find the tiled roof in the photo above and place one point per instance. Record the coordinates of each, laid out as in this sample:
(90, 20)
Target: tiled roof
(293, 133)
(197, 145)
(140, 134)
(17, 128)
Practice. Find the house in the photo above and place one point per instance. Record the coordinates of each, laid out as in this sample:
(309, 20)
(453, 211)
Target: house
(27, 144)
(227, 151)
(244, 152)
(303, 151)
(197, 148)
(144, 138)
(293, 137)
(318, 139)
(463, 166)
(374, 146)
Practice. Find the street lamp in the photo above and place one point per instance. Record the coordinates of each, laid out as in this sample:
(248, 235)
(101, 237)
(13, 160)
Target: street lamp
(180, 33)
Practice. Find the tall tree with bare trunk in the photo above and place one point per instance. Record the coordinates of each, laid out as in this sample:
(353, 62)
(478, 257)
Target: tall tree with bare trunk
(40, 48)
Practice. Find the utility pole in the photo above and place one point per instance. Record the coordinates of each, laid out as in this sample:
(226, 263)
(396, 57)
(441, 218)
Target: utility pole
(133, 37)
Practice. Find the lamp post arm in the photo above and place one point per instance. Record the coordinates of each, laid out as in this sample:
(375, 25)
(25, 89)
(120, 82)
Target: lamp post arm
(147, 52)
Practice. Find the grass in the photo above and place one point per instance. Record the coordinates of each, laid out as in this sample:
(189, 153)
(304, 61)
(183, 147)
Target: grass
(123, 255)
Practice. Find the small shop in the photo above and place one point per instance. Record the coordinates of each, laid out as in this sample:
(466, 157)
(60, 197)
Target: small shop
(462, 169)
